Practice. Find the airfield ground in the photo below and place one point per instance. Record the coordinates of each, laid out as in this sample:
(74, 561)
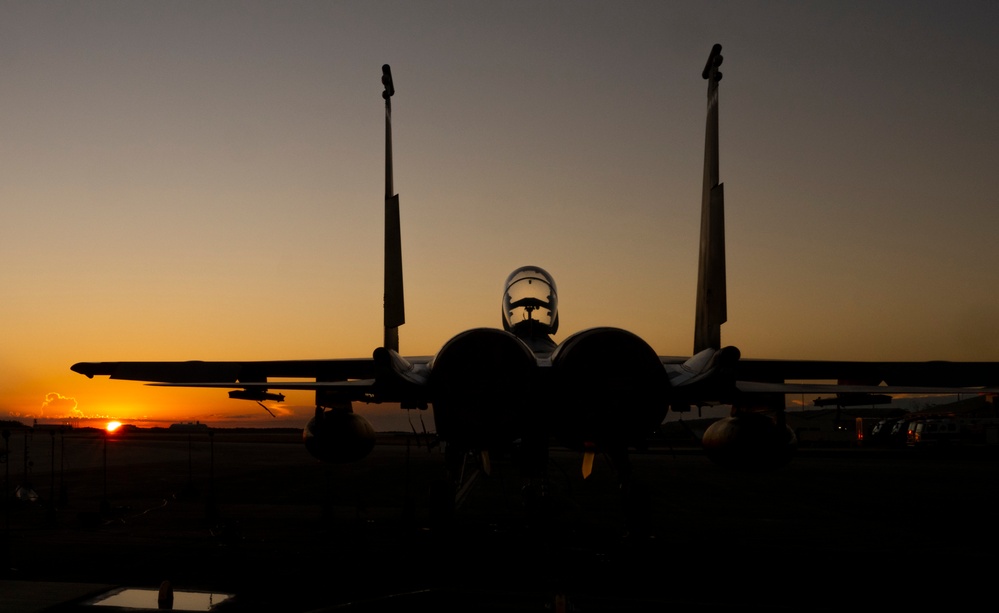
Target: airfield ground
(835, 528)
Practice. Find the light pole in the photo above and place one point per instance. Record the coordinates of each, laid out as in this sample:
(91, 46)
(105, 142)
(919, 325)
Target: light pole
(25, 491)
(105, 505)
(52, 471)
(6, 500)
(63, 495)
(211, 510)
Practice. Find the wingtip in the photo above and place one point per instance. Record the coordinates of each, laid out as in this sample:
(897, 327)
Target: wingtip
(88, 369)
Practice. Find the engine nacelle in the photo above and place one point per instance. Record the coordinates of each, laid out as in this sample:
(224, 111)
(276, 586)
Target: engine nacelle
(749, 440)
(482, 386)
(338, 436)
(611, 390)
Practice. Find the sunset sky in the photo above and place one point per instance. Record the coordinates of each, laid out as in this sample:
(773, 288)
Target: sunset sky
(192, 180)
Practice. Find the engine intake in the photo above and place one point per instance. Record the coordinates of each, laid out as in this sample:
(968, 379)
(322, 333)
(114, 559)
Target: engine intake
(611, 390)
(482, 386)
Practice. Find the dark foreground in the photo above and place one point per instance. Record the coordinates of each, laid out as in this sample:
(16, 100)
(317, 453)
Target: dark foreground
(833, 529)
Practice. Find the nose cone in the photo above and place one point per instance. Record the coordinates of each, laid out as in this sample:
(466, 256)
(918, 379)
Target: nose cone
(530, 302)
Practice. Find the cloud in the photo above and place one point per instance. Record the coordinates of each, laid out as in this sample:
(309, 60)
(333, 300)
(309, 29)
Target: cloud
(57, 405)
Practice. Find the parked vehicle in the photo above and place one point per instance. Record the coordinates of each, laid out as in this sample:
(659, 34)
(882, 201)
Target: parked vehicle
(924, 432)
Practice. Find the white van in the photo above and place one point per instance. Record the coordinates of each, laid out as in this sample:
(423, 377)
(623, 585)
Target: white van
(924, 432)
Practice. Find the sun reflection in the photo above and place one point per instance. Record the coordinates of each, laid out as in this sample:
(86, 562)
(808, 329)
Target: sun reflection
(113, 425)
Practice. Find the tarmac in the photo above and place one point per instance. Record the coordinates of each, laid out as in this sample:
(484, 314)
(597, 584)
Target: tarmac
(253, 520)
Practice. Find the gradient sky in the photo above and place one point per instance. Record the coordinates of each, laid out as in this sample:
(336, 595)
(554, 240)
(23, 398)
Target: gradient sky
(192, 180)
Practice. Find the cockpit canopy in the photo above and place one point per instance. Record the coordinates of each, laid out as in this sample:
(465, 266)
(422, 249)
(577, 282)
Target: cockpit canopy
(530, 302)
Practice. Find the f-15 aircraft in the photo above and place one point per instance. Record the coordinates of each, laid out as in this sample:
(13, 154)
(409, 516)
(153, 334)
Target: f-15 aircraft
(601, 390)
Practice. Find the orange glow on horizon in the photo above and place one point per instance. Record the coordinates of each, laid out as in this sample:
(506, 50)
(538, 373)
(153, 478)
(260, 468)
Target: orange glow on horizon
(820, 268)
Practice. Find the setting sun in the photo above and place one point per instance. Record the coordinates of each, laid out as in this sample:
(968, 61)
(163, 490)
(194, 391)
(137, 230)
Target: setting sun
(113, 425)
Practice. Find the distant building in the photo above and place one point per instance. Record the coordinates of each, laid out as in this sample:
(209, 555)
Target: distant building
(56, 427)
(189, 427)
(980, 405)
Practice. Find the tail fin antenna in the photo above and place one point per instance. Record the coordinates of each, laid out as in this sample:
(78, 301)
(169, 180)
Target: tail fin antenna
(394, 305)
(712, 303)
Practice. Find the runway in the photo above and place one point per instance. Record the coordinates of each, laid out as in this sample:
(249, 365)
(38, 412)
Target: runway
(254, 515)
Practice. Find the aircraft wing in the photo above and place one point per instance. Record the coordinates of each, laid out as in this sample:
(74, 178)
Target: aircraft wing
(384, 378)
(231, 373)
(933, 374)
(756, 387)
(721, 375)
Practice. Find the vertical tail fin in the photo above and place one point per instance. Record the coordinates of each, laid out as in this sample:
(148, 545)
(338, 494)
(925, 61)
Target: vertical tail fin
(712, 303)
(394, 306)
